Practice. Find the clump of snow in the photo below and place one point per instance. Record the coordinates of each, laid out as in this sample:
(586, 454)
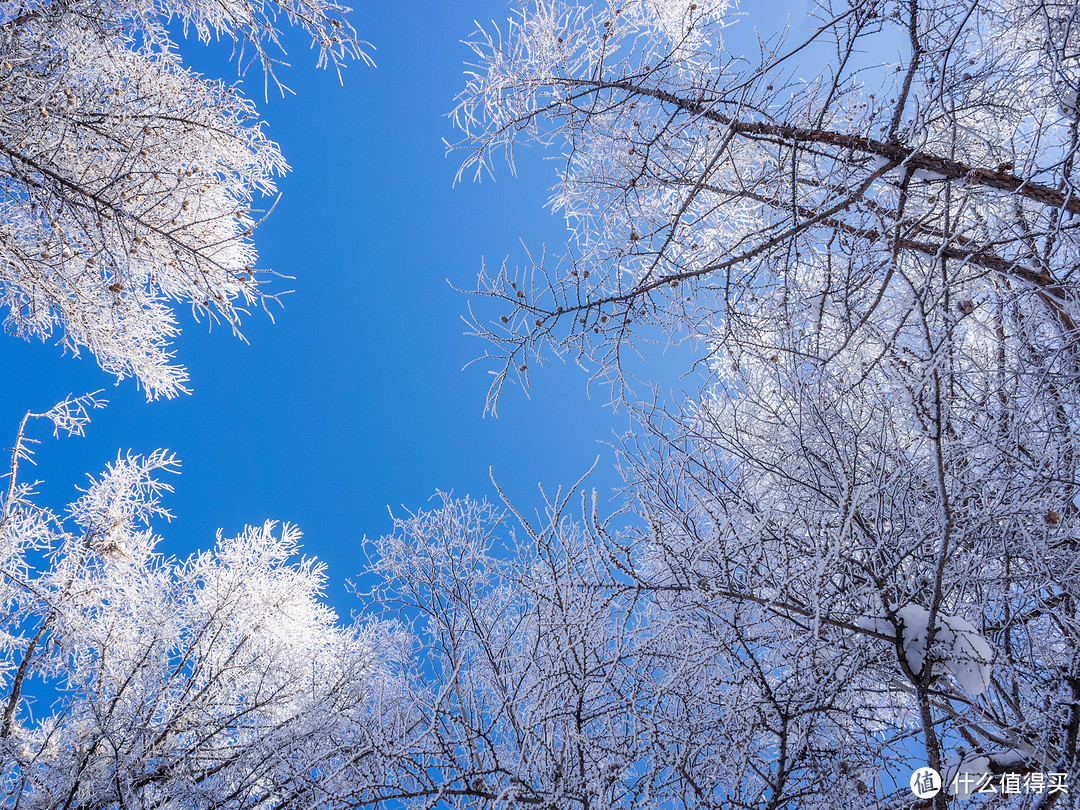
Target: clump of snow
(875, 624)
(927, 175)
(959, 647)
(973, 773)
(1009, 758)
(964, 774)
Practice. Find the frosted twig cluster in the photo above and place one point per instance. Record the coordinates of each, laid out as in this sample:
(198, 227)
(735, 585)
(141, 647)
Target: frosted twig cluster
(130, 184)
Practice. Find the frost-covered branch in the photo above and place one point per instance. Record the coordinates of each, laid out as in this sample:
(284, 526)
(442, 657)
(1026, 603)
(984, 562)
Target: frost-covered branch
(131, 184)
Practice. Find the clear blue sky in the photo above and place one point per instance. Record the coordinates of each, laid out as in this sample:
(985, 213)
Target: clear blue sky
(356, 398)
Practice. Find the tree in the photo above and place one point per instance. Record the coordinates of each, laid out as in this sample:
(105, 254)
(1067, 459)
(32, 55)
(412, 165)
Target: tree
(220, 681)
(551, 684)
(129, 678)
(129, 182)
(856, 544)
(938, 154)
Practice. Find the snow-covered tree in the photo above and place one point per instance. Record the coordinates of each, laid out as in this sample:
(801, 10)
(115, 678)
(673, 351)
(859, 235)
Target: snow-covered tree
(545, 686)
(856, 547)
(130, 183)
(698, 180)
(132, 680)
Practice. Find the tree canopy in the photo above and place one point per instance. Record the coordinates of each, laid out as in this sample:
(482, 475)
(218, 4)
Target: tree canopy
(848, 546)
(856, 537)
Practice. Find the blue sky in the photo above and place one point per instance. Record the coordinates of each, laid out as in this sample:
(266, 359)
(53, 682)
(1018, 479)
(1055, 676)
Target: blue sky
(356, 398)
